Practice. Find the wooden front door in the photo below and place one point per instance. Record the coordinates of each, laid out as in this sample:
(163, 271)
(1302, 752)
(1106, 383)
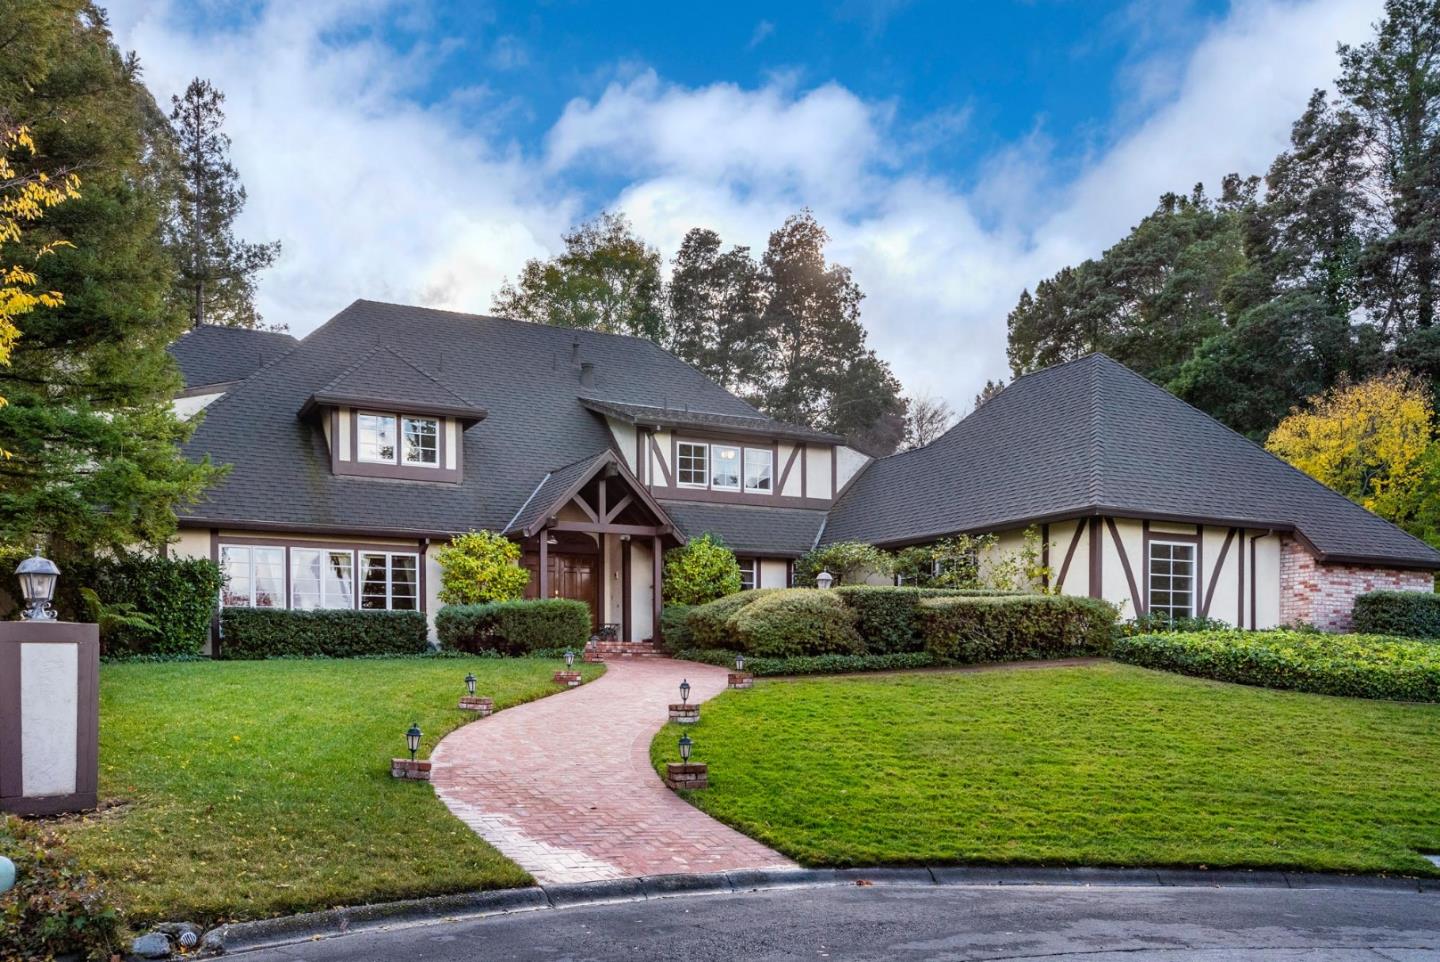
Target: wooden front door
(574, 576)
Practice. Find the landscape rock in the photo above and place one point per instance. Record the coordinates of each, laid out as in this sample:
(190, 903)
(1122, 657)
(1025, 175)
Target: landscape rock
(151, 945)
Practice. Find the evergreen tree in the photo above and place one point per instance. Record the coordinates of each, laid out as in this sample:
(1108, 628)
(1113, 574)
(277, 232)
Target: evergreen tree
(716, 305)
(215, 270)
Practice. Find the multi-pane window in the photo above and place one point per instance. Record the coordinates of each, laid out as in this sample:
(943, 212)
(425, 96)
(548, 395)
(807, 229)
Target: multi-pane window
(422, 441)
(322, 578)
(254, 577)
(1172, 579)
(386, 439)
(389, 581)
(749, 571)
(725, 469)
(375, 436)
(692, 464)
(759, 470)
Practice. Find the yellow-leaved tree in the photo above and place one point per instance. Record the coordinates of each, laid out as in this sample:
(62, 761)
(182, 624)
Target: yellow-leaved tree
(1373, 441)
(25, 195)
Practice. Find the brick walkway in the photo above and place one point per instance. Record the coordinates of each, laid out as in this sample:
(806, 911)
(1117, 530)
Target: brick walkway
(564, 787)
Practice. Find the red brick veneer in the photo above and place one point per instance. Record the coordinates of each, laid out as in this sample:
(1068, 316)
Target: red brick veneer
(1323, 594)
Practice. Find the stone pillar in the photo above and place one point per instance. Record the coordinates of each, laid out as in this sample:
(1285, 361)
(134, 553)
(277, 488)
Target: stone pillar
(49, 716)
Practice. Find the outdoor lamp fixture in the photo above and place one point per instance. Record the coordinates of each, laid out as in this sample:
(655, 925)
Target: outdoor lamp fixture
(470, 684)
(37, 586)
(412, 739)
(686, 747)
(684, 691)
(569, 658)
(739, 661)
(824, 580)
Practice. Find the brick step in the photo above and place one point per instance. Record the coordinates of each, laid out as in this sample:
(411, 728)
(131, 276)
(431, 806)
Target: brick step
(602, 650)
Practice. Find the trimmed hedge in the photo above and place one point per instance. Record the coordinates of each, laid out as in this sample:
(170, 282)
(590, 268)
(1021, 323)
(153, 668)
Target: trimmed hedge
(887, 617)
(796, 621)
(1013, 628)
(515, 627)
(709, 623)
(1414, 614)
(274, 632)
(810, 664)
(675, 627)
(1360, 666)
(177, 594)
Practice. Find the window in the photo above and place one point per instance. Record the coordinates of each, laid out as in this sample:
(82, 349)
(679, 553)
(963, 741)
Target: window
(254, 577)
(759, 469)
(321, 578)
(1172, 579)
(389, 581)
(376, 436)
(692, 464)
(422, 441)
(725, 473)
(749, 573)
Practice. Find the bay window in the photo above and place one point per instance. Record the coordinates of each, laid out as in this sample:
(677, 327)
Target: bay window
(321, 578)
(389, 582)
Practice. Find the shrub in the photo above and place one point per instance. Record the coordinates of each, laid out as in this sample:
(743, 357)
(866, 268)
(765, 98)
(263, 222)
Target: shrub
(1362, 666)
(796, 621)
(1011, 628)
(515, 627)
(177, 596)
(675, 627)
(480, 567)
(887, 617)
(1414, 614)
(55, 907)
(700, 571)
(1149, 624)
(709, 623)
(850, 562)
(811, 664)
(274, 632)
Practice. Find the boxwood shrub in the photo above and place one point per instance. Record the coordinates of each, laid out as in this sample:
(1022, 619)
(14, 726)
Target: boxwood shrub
(515, 627)
(1362, 666)
(796, 621)
(1415, 614)
(709, 623)
(1012, 628)
(276, 632)
(888, 617)
(810, 664)
(675, 627)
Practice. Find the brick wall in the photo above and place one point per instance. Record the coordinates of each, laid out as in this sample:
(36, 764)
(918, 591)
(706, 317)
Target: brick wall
(1322, 595)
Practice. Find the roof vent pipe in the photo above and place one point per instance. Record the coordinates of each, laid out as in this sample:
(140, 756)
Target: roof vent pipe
(575, 352)
(587, 373)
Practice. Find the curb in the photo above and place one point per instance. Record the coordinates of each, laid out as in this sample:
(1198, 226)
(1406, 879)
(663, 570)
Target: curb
(269, 933)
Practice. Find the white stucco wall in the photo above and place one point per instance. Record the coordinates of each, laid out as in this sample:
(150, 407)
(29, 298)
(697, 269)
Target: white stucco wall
(625, 438)
(642, 584)
(791, 488)
(659, 462)
(817, 471)
(773, 573)
(848, 464)
(186, 408)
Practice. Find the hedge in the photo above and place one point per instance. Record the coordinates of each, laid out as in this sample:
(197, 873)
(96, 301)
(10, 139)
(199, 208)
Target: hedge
(810, 664)
(675, 627)
(797, 621)
(515, 627)
(177, 594)
(709, 623)
(1415, 614)
(887, 617)
(275, 632)
(1361, 666)
(1013, 628)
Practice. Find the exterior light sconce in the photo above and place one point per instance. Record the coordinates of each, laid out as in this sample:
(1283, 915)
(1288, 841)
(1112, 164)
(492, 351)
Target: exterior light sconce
(37, 576)
(824, 580)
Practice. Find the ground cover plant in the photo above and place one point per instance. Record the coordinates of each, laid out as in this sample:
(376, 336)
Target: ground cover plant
(1102, 764)
(248, 789)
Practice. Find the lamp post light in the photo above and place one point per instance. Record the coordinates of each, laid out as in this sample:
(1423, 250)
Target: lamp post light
(739, 661)
(569, 659)
(37, 576)
(687, 745)
(412, 739)
(684, 692)
(824, 580)
(470, 684)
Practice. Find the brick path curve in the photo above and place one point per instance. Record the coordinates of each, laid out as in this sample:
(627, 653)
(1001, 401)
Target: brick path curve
(563, 786)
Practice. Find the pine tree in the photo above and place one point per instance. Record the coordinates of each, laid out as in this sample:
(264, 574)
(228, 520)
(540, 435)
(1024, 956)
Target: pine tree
(216, 270)
(716, 302)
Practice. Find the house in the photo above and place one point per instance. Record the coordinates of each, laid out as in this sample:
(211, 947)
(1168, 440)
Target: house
(354, 450)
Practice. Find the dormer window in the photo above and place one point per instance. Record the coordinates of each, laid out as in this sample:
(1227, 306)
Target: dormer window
(422, 441)
(376, 440)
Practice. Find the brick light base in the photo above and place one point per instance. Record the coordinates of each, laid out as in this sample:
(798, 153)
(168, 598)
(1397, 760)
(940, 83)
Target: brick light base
(418, 769)
(742, 680)
(481, 706)
(688, 777)
(1323, 594)
(567, 678)
(685, 714)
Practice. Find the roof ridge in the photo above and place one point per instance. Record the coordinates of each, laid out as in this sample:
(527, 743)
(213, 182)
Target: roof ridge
(1096, 438)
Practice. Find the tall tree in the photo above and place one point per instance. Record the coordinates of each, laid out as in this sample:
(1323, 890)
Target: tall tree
(216, 270)
(926, 418)
(716, 305)
(607, 279)
(96, 461)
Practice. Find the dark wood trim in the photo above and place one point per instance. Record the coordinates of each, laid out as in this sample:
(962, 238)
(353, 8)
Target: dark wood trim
(805, 471)
(287, 543)
(642, 468)
(342, 530)
(1240, 588)
(1070, 553)
(610, 462)
(11, 772)
(785, 475)
(593, 527)
(1215, 575)
(834, 473)
(1135, 600)
(626, 624)
(656, 593)
(579, 502)
(614, 512)
(544, 568)
(666, 470)
(740, 497)
(1045, 556)
(440, 474)
(1097, 583)
(1254, 580)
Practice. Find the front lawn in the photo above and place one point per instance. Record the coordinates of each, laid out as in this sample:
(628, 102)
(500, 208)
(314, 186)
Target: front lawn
(1104, 764)
(259, 788)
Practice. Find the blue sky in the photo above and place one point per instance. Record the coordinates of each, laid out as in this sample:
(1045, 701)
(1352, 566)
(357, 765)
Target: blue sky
(958, 152)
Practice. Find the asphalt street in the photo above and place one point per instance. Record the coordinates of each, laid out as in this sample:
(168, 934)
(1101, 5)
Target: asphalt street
(1057, 924)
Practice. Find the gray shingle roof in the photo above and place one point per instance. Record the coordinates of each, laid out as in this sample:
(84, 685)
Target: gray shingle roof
(674, 417)
(384, 377)
(219, 355)
(552, 486)
(1092, 436)
(747, 529)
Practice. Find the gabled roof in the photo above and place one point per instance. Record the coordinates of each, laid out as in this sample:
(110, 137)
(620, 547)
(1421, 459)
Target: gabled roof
(386, 380)
(755, 425)
(1093, 437)
(211, 355)
(559, 486)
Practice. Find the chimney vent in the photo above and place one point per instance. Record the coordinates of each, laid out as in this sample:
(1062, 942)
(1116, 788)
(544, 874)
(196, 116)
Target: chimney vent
(575, 352)
(587, 373)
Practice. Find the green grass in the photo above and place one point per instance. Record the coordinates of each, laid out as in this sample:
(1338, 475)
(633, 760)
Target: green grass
(252, 789)
(1104, 764)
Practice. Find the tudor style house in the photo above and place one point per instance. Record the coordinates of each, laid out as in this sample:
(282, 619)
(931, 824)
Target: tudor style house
(355, 450)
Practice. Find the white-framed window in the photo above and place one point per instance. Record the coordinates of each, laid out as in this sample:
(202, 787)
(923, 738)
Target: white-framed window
(322, 578)
(375, 438)
(389, 581)
(1172, 579)
(692, 464)
(254, 576)
(724, 467)
(759, 470)
(749, 573)
(421, 438)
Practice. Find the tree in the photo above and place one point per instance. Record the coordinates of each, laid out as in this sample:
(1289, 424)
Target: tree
(607, 279)
(849, 563)
(926, 418)
(715, 304)
(479, 567)
(987, 392)
(216, 270)
(700, 571)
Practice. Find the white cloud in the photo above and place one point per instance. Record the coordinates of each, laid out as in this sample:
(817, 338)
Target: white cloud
(375, 196)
